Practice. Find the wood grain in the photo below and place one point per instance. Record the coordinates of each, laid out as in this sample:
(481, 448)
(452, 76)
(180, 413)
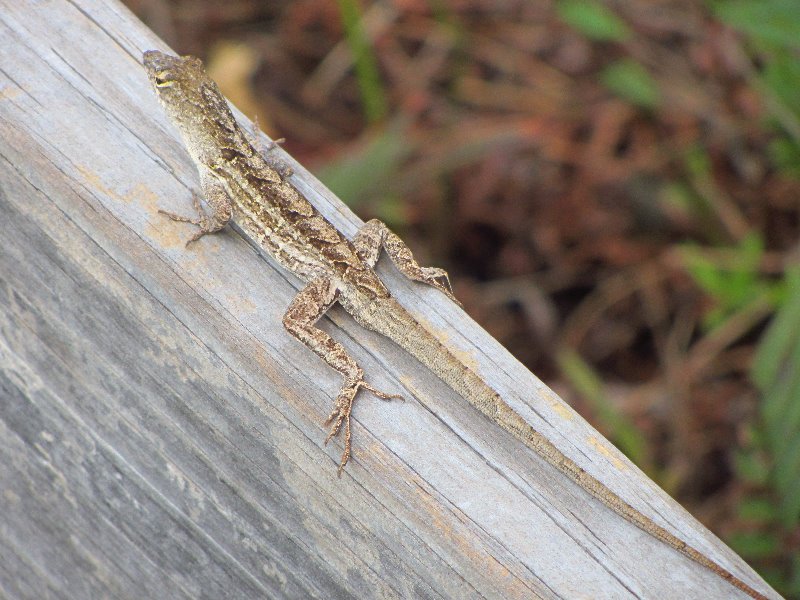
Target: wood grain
(161, 434)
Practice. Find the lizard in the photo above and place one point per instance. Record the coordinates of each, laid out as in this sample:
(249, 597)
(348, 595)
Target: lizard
(240, 183)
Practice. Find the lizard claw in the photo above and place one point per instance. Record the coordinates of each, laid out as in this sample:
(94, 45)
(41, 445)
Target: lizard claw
(438, 278)
(205, 224)
(343, 407)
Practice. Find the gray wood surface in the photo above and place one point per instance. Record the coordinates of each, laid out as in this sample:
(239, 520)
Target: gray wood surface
(161, 435)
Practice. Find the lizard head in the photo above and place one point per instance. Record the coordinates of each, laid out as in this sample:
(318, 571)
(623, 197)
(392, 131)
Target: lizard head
(177, 80)
(191, 99)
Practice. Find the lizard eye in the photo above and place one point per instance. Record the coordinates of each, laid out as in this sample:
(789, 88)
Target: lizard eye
(161, 81)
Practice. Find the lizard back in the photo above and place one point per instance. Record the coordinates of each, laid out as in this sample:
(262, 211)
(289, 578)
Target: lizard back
(287, 226)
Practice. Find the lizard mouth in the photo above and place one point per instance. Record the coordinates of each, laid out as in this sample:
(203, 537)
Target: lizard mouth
(153, 59)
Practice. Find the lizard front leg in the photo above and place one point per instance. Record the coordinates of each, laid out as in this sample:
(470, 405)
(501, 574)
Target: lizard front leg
(375, 235)
(220, 203)
(283, 170)
(304, 311)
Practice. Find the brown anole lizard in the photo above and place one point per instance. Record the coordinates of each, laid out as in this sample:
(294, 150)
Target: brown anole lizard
(239, 183)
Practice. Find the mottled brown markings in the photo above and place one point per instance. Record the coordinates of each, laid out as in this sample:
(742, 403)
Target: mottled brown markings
(276, 214)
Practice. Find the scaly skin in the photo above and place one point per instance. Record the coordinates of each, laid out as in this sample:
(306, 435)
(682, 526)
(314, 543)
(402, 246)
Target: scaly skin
(240, 184)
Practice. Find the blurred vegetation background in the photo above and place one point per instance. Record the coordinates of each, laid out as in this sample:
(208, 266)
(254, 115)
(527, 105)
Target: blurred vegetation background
(613, 187)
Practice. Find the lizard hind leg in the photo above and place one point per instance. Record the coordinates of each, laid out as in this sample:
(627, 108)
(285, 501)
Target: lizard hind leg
(375, 235)
(304, 311)
(343, 408)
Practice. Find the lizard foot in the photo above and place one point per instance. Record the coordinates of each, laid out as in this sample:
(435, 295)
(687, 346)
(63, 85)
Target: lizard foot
(204, 223)
(283, 170)
(438, 278)
(343, 407)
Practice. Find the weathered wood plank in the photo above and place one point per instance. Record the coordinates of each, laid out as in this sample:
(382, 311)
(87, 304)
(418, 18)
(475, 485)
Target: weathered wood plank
(161, 435)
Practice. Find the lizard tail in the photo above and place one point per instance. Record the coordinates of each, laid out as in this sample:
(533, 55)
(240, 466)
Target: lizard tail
(399, 325)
